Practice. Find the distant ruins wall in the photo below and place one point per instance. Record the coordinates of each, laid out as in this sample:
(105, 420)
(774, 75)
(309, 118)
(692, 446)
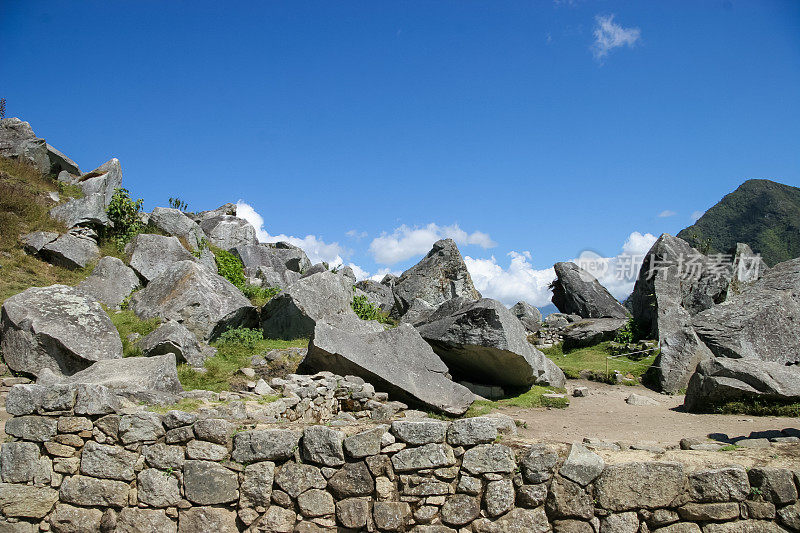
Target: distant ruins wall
(73, 463)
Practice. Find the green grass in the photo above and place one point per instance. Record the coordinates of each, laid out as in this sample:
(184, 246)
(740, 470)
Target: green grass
(728, 448)
(221, 370)
(126, 323)
(593, 359)
(527, 400)
(760, 408)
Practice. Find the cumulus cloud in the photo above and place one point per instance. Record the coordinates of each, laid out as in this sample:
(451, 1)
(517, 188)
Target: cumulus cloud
(355, 234)
(696, 215)
(666, 213)
(405, 241)
(316, 249)
(521, 281)
(379, 275)
(609, 35)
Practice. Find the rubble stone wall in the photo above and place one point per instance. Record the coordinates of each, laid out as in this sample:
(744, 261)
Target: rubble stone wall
(73, 462)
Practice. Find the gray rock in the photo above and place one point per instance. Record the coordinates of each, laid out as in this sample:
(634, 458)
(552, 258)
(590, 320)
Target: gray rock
(418, 432)
(460, 509)
(721, 380)
(641, 400)
(17, 141)
(391, 516)
(19, 461)
(499, 497)
(140, 427)
(323, 445)
(278, 256)
(353, 512)
(665, 297)
(529, 315)
(353, 479)
(482, 341)
(296, 478)
(150, 255)
(174, 222)
(103, 180)
(591, 331)
(531, 496)
(582, 465)
(275, 277)
(228, 232)
(60, 162)
(438, 277)
(108, 462)
(70, 251)
(739, 526)
(471, 431)
(719, 485)
(423, 457)
(90, 492)
(215, 430)
(628, 486)
(775, 484)
(567, 499)
(576, 291)
(294, 313)
(489, 458)
(58, 328)
(208, 483)
(173, 337)
(538, 463)
(95, 399)
(224, 209)
(136, 520)
(206, 451)
(32, 243)
(758, 323)
(35, 428)
(315, 502)
(208, 519)
(377, 294)
(110, 283)
(163, 456)
(69, 519)
(620, 523)
(25, 501)
(157, 488)
(87, 211)
(523, 521)
(365, 443)
(256, 486)
(397, 361)
(265, 445)
(204, 302)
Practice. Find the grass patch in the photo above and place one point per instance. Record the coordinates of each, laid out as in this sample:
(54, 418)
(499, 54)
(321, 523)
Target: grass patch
(184, 404)
(126, 323)
(527, 400)
(760, 408)
(728, 448)
(235, 349)
(593, 359)
(231, 268)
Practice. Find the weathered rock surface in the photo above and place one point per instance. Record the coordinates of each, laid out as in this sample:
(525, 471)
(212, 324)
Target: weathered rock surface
(438, 277)
(58, 328)
(397, 361)
(110, 283)
(294, 313)
(204, 302)
(70, 251)
(591, 331)
(761, 322)
(60, 162)
(150, 255)
(630, 485)
(17, 141)
(174, 222)
(722, 380)
(277, 256)
(98, 188)
(577, 292)
(173, 337)
(227, 232)
(482, 341)
(529, 315)
(377, 294)
(34, 242)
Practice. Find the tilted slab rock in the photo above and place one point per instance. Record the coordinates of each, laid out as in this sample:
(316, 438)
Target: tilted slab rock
(591, 331)
(397, 361)
(204, 302)
(58, 328)
(33, 242)
(104, 180)
(483, 342)
(377, 294)
(761, 322)
(438, 277)
(176, 223)
(722, 380)
(529, 315)
(60, 162)
(150, 255)
(98, 187)
(227, 232)
(111, 282)
(577, 292)
(173, 337)
(279, 256)
(70, 251)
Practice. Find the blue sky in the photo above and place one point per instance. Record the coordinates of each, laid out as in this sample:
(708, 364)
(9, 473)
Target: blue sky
(530, 131)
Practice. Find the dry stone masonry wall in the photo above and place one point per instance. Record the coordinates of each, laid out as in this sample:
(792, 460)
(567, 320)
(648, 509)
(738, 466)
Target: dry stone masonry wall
(75, 461)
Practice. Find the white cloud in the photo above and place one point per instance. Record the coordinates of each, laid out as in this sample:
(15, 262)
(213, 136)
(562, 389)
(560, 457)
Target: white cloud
(355, 234)
(379, 275)
(316, 249)
(609, 35)
(406, 242)
(666, 213)
(521, 281)
(696, 215)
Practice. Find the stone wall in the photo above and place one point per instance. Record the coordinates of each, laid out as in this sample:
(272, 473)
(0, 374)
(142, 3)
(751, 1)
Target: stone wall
(75, 462)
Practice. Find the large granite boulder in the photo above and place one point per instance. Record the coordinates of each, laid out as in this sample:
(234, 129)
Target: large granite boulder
(104, 180)
(98, 187)
(747, 267)
(294, 313)
(529, 315)
(58, 328)
(666, 295)
(377, 294)
(276, 264)
(204, 302)
(591, 331)
(397, 361)
(60, 162)
(150, 255)
(33, 242)
(17, 141)
(173, 337)
(174, 222)
(577, 292)
(131, 376)
(482, 342)
(225, 209)
(228, 232)
(722, 380)
(73, 250)
(759, 323)
(438, 277)
(110, 283)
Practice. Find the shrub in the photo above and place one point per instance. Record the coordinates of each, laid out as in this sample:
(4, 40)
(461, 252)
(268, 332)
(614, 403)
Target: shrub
(367, 311)
(177, 203)
(123, 212)
(246, 337)
(230, 267)
(625, 334)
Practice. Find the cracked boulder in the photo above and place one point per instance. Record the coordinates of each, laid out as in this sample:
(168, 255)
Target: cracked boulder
(227, 232)
(577, 292)
(173, 337)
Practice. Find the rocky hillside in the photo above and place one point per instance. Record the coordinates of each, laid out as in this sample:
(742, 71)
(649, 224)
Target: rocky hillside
(761, 213)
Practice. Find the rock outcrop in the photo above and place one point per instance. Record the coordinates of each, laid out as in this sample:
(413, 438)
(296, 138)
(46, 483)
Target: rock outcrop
(73, 250)
(577, 292)
(275, 265)
(110, 283)
(17, 141)
(150, 255)
(483, 342)
(58, 328)
(377, 294)
(529, 315)
(204, 302)
(438, 277)
(228, 232)
(396, 360)
(98, 187)
(174, 222)
(173, 337)
(721, 380)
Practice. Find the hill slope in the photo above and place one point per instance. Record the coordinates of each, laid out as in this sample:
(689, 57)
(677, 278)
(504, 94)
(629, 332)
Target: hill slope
(761, 213)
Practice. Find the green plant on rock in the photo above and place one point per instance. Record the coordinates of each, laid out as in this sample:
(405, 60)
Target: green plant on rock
(230, 267)
(366, 311)
(177, 203)
(625, 333)
(124, 214)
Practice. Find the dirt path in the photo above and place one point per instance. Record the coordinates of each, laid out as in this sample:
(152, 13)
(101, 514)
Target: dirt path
(604, 415)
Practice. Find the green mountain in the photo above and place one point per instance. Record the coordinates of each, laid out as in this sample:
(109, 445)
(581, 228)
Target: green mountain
(761, 213)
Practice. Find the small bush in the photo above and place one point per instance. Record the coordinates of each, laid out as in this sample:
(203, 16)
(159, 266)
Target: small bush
(123, 212)
(177, 203)
(625, 334)
(246, 337)
(366, 311)
(230, 267)
(260, 295)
